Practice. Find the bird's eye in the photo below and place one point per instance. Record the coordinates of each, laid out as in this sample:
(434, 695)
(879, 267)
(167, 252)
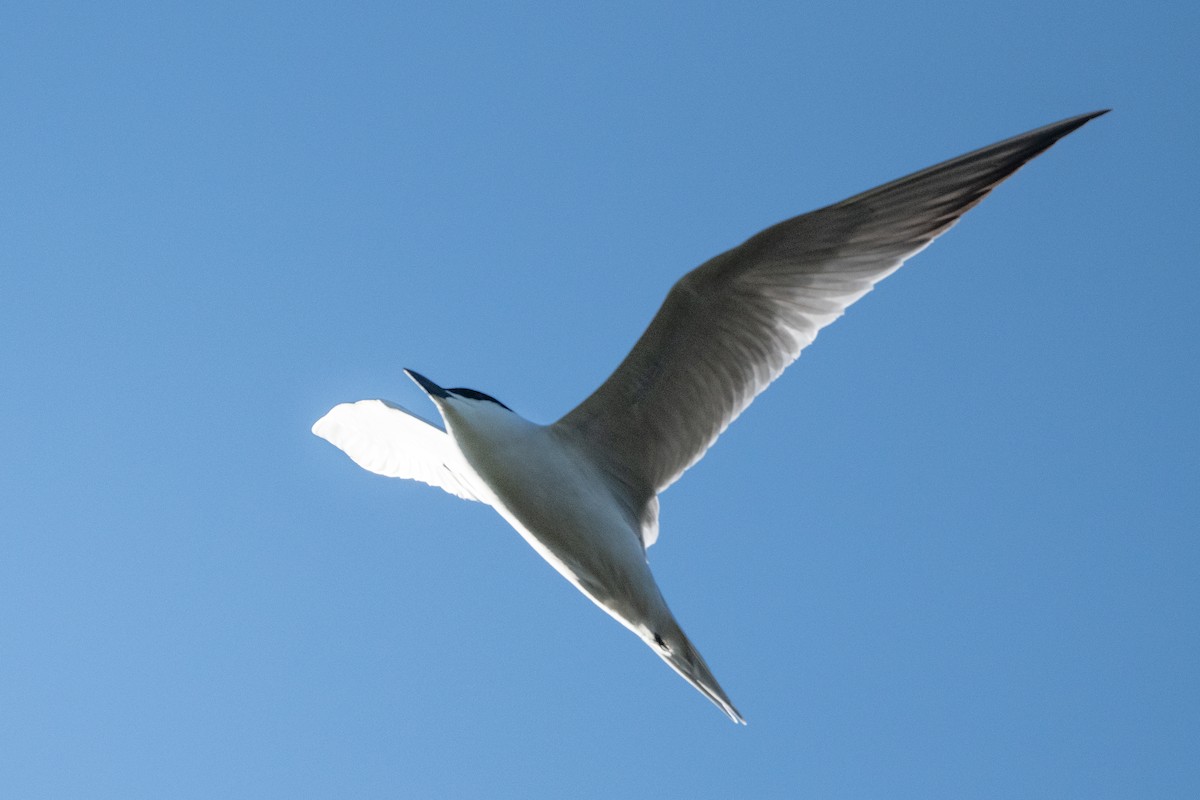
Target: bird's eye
(658, 640)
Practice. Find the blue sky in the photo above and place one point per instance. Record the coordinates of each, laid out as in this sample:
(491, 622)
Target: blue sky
(951, 553)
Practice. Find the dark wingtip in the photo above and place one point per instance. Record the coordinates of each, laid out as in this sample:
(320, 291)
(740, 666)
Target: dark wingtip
(1095, 114)
(1041, 139)
(1057, 130)
(1049, 134)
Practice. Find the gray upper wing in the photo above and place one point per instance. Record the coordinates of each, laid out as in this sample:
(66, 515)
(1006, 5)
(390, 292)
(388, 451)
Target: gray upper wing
(730, 327)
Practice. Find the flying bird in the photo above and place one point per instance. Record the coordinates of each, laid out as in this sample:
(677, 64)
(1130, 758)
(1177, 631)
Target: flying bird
(583, 491)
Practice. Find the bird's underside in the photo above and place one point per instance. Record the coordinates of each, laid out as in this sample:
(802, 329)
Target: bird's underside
(725, 331)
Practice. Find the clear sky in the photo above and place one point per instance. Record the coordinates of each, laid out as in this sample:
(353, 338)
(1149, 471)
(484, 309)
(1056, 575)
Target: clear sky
(951, 553)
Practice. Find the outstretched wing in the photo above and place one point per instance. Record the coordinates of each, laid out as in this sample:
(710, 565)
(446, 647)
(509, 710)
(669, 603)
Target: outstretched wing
(731, 326)
(387, 440)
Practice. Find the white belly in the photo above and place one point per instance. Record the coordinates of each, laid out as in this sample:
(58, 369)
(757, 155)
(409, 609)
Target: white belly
(564, 508)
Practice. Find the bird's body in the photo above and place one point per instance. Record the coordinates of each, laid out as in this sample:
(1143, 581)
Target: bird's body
(583, 491)
(575, 516)
(556, 499)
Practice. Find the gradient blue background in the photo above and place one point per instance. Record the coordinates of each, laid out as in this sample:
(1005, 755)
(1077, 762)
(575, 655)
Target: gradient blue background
(951, 553)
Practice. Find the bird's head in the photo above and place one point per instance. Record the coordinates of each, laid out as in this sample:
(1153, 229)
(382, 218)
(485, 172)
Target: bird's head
(460, 403)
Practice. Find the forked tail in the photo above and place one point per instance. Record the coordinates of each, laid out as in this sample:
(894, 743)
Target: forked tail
(685, 659)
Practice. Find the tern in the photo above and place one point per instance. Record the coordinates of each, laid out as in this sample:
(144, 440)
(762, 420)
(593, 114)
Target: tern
(583, 491)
